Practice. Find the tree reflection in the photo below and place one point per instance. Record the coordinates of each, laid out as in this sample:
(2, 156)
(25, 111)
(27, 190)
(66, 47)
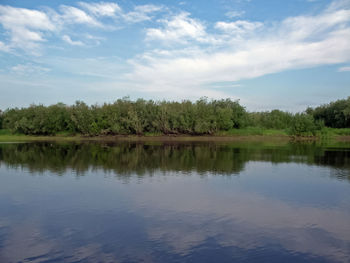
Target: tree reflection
(145, 158)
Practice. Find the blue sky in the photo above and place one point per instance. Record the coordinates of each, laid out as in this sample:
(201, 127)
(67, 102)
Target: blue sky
(268, 54)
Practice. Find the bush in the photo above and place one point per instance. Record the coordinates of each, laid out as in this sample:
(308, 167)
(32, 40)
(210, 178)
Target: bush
(335, 114)
(128, 117)
(275, 119)
(1, 119)
(304, 125)
(204, 116)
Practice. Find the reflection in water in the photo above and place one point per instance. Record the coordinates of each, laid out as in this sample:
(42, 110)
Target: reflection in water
(167, 203)
(129, 158)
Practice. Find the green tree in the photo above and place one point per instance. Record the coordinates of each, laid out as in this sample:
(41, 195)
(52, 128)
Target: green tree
(304, 124)
(335, 114)
(1, 118)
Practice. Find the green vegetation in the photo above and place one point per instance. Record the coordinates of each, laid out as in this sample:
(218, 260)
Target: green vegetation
(247, 131)
(335, 114)
(1, 118)
(203, 117)
(274, 119)
(127, 117)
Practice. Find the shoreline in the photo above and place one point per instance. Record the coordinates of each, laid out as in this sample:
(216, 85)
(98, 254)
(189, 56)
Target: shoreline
(171, 138)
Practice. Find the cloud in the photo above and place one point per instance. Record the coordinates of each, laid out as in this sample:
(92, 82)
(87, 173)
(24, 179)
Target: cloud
(67, 39)
(93, 40)
(338, 4)
(293, 43)
(237, 27)
(178, 28)
(12, 17)
(101, 9)
(138, 14)
(4, 47)
(141, 13)
(233, 14)
(313, 27)
(26, 27)
(73, 15)
(29, 69)
(344, 69)
(185, 56)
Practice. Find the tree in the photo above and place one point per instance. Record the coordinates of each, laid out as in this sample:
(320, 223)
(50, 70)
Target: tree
(1, 119)
(335, 114)
(304, 124)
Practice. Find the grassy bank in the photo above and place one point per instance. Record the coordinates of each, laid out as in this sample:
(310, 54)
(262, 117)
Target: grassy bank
(253, 134)
(244, 134)
(323, 133)
(253, 131)
(6, 136)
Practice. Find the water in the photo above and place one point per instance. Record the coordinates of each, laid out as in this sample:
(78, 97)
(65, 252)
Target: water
(174, 202)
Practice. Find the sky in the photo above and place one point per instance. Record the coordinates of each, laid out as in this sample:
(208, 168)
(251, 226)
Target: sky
(269, 54)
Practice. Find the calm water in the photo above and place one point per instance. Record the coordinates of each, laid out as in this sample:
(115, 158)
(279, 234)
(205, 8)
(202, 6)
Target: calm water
(202, 202)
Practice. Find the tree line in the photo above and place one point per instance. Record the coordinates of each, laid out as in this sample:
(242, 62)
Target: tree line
(139, 117)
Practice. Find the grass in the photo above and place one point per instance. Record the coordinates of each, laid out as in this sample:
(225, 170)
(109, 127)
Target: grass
(27, 138)
(7, 136)
(253, 131)
(152, 134)
(249, 133)
(4, 132)
(336, 131)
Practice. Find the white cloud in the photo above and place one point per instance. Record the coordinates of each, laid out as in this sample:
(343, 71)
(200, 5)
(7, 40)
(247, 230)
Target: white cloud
(4, 47)
(147, 9)
(11, 17)
(196, 54)
(338, 4)
(101, 9)
(344, 69)
(178, 28)
(26, 27)
(233, 14)
(141, 13)
(138, 14)
(93, 40)
(29, 69)
(67, 39)
(238, 27)
(302, 27)
(296, 42)
(73, 15)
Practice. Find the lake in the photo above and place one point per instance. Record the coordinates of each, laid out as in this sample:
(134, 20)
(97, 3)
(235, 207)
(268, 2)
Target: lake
(175, 202)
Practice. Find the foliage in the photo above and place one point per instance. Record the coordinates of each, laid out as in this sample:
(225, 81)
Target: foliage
(140, 117)
(275, 119)
(127, 117)
(304, 124)
(1, 119)
(335, 114)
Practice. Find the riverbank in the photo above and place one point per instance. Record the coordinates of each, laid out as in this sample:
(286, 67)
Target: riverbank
(236, 135)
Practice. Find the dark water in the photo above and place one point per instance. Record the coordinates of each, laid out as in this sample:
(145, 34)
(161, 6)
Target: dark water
(202, 202)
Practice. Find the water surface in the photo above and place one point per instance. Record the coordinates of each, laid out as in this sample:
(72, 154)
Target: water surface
(174, 202)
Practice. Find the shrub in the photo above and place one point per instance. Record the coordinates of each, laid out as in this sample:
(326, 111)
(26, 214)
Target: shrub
(304, 124)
